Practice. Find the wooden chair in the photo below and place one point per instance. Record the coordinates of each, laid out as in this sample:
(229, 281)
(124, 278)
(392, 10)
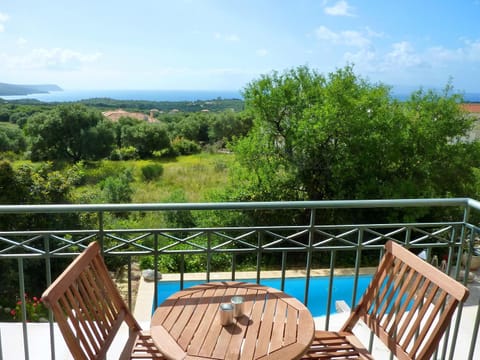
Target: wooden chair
(89, 311)
(408, 306)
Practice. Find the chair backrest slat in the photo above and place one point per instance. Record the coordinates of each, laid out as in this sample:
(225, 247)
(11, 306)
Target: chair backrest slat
(408, 304)
(87, 306)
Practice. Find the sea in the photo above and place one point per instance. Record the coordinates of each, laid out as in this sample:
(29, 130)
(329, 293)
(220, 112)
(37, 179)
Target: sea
(163, 95)
(146, 95)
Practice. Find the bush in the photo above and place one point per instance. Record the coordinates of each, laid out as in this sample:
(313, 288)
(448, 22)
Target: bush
(117, 189)
(124, 153)
(152, 171)
(95, 173)
(182, 146)
(146, 262)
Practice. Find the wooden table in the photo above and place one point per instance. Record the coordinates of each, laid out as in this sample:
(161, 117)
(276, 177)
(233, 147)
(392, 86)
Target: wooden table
(274, 325)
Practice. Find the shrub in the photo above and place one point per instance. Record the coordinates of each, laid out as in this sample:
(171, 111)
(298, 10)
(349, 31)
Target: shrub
(35, 309)
(97, 172)
(182, 146)
(124, 153)
(146, 262)
(152, 171)
(117, 189)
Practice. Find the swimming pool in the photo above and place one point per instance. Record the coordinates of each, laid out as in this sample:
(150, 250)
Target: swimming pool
(317, 297)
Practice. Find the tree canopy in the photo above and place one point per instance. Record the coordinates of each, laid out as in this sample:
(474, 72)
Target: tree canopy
(340, 136)
(70, 132)
(145, 137)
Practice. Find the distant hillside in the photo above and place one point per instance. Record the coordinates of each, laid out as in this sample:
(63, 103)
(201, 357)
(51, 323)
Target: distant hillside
(13, 89)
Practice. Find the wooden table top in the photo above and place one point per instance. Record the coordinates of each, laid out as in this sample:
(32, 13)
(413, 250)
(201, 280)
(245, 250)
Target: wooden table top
(274, 325)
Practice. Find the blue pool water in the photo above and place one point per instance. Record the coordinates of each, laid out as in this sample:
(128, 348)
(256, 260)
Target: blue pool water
(317, 297)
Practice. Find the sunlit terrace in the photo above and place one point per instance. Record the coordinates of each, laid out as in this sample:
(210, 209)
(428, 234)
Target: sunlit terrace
(280, 249)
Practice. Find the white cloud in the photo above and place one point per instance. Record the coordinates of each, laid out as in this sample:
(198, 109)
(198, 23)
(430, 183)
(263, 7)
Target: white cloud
(324, 33)
(346, 37)
(373, 34)
(51, 59)
(472, 50)
(262, 52)
(3, 18)
(21, 42)
(227, 37)
(341, 8)
(354, 38)
(365, 59)
(403, 55)
(440, 55)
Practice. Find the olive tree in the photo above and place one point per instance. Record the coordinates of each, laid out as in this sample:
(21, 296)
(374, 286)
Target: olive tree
(70, 132)
(145, 137)
(340, 136)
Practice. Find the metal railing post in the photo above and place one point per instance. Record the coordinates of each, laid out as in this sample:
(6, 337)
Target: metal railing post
(284, 268)
(259, 255)
(209, 256)
(155, 269)
(358, 260)
(23, 307)
(48, 265)
(311, 241)
(129, 282)
(234, 265)
(182, 271)
(333, 254)
(101, 231)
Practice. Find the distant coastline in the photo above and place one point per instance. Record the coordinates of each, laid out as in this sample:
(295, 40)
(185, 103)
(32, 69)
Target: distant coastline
(67, 95)
(145, 95)
(24, 90)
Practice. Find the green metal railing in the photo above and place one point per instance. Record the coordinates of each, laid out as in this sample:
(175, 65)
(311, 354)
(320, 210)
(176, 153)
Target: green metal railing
(315, 239)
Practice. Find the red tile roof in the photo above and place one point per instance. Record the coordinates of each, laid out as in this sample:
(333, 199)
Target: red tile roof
(471, 107)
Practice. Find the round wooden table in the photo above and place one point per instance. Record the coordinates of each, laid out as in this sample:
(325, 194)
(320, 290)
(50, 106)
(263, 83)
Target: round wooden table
(274, 325)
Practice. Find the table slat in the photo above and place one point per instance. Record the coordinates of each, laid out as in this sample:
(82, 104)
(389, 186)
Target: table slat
(191, 327)
(264, 334)
(204, 326)
(278, 333)
(254, 327)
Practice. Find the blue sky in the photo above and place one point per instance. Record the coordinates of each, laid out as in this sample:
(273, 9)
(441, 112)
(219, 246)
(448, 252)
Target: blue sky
(224, 44)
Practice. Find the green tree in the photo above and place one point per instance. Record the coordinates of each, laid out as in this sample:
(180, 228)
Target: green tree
(10, 191)
(146, 138)
(12, 139)
(339, 136)
(193, 126)
(70, 132)
(123, 122)
(226, 126)
(33, 185)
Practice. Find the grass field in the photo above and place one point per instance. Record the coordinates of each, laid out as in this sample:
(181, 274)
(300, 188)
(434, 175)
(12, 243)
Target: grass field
(194, 175)
(185, 179)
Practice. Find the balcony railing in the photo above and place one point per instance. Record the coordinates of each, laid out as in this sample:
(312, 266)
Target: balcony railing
(309, 245)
